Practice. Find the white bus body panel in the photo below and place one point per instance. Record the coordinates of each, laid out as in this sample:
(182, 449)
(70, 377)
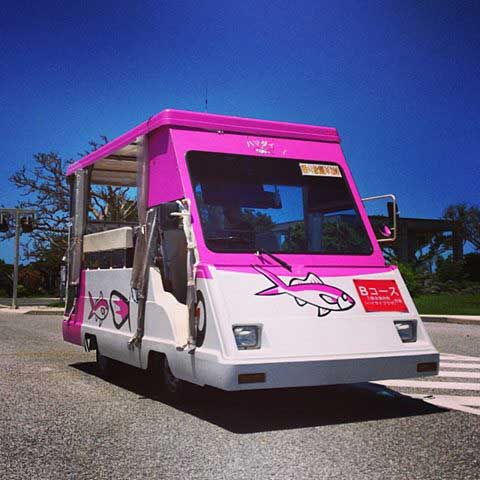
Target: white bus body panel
(298, 347)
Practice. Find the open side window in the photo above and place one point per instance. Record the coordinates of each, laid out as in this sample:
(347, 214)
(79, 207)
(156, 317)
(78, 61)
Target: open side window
(107, 200)
(113, 210)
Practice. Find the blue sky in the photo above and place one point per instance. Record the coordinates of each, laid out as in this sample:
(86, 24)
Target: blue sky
(400, 80)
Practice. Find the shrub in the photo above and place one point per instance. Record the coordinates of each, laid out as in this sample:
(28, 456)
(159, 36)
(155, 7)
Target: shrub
(472, 266)
(411, 278)
(22, 291)
(450, 271)
(30, 278)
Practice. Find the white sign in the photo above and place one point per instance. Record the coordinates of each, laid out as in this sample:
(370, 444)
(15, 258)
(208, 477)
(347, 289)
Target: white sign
(320, 170)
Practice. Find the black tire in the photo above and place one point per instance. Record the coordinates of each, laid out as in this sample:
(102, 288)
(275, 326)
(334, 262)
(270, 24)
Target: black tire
(202, 321)
(173, 388)
(155, 371)
(105, 365)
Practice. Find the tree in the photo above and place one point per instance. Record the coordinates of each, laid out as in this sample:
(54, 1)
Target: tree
(296, 240)
(430, 248)
(467, 219)
(6, 278)
(30, 278)
(472, 266)
(473, 227)
(113, 204)
(45, 189)
(257, 221)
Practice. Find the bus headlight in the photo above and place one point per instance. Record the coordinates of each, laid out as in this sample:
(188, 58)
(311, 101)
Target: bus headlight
(247, 336)
(407, 330)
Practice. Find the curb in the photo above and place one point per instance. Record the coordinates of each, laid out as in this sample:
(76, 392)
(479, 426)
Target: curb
(44, 312)
(458, 321)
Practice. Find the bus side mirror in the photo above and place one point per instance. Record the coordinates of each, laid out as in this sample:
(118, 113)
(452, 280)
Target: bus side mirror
(383, 213)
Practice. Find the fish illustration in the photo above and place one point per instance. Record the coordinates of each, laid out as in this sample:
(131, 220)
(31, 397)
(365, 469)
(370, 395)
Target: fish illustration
(98, 308)
(309, 290)
(120, 307)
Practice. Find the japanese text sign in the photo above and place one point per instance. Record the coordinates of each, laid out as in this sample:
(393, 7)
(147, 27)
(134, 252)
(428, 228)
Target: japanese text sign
(380, 296)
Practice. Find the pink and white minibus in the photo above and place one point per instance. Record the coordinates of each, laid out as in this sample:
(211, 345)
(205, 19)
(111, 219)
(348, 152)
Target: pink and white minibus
(253, 263)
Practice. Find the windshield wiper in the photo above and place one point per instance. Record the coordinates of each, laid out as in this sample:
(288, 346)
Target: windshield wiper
(274, 257)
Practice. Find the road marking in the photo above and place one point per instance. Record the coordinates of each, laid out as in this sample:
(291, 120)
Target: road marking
(452, 366)
(431, 384)
(459, 365)
(470, 401)
(454, 358)
(451, 404)
(451, 374)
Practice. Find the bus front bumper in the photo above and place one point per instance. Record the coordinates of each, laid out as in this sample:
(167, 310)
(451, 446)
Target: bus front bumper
(285, 374)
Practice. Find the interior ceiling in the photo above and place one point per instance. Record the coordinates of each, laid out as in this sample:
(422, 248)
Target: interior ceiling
(118, 168)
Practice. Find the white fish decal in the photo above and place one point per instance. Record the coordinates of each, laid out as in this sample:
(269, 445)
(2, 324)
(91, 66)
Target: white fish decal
(309, 290)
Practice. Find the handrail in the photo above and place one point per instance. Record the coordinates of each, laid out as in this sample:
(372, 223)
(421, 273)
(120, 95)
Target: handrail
(394, 202)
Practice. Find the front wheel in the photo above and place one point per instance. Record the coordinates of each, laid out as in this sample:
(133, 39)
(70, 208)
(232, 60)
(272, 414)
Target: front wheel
(105, 365)
(174, 388)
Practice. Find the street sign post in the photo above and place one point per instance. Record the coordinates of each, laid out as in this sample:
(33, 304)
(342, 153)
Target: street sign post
(17, 213)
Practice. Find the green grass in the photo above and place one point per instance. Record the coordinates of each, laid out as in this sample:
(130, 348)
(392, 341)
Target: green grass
(448, 304)
(57, 304)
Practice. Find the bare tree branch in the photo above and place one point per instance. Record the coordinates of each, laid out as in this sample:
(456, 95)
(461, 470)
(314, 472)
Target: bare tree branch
(45, 189)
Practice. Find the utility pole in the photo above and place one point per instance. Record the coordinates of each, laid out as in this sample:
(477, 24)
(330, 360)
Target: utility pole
(17, 213)
(16, 261)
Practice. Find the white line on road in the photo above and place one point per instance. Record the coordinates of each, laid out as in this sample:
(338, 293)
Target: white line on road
(452, 366)
(459, 365)
(455, 358)
(452, 405)
(430, 385)
(451, 374)
(470, 401)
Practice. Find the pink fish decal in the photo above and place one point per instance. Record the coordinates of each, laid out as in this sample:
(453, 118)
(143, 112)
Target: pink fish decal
(309, 290)
(120, 307)
(98, 308)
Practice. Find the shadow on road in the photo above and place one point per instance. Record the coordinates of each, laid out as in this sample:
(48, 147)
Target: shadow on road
(280, 409)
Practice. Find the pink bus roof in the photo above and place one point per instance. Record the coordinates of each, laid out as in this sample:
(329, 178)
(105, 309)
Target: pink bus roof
(120, 154)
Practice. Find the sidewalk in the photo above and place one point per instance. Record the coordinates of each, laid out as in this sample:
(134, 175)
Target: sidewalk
(461, 319)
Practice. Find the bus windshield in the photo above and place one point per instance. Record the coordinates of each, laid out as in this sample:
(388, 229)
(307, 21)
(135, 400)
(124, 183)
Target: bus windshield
(277, 204)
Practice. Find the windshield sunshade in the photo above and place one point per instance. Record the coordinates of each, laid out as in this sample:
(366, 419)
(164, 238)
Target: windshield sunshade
(277, 204)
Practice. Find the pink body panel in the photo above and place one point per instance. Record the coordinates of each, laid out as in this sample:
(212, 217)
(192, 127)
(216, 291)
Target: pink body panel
(187, 140)
(72, 330)
(172, 134)
(164, 183)
(209, 122)
(204, 272)
(303, 270)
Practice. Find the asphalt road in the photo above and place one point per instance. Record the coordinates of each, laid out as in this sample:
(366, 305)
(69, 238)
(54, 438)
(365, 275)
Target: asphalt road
(58, 420)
